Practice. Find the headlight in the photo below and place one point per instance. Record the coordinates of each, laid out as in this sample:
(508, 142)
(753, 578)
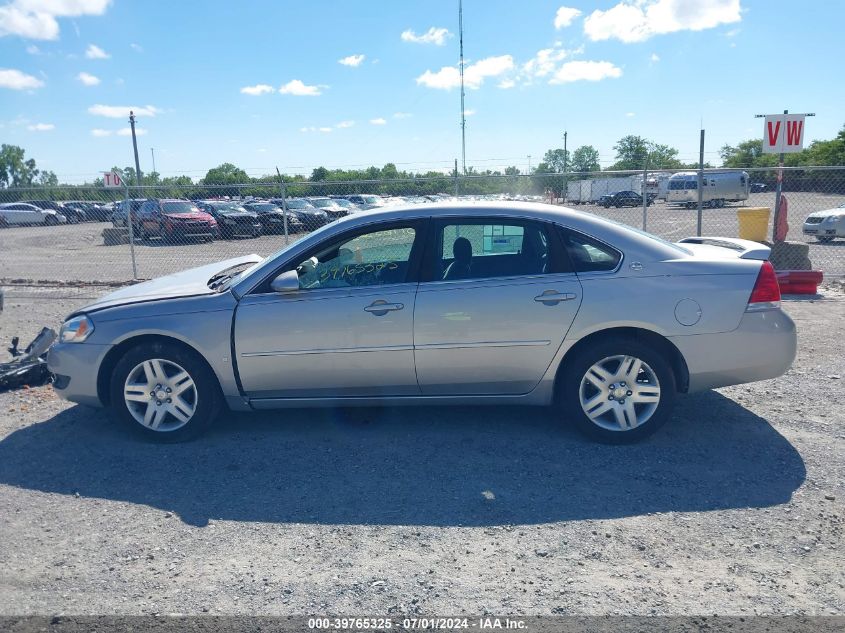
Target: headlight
(76, 330)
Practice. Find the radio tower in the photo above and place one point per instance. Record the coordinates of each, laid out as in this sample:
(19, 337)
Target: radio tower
(461, 67)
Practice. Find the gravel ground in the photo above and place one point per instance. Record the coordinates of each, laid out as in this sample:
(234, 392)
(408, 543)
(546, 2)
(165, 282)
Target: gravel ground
(736, 507)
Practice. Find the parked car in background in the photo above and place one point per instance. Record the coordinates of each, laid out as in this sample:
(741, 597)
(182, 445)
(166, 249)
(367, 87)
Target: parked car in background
(758, 187)
(93, 211)
(625, 199)
(272, 218)
(330, 206)
(350, 206)
(23, 213)
(309, 216)
(366, 201)
(175, 220)
(119, 216)
(471, 304)
(74, 216)
(826, 225)
(232, 218)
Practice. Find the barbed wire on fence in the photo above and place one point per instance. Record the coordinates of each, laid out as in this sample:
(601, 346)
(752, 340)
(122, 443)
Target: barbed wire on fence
(77, 237)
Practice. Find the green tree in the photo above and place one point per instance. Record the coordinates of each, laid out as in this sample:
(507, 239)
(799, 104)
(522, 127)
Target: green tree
(15, 169)
(512, 171)
(585, 159)
(48, 179)
(663, 157)
(747, 154)
(557, 160)
(226, 174)
(631, 152)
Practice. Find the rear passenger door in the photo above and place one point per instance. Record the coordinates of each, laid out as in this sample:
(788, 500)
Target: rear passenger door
(496, 300)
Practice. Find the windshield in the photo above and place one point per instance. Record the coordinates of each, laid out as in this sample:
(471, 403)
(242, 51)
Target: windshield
(179, 207)
(371, 199)
(343, 203)
(226, 206)
(323, 202)
(299, 204)
(265, 206)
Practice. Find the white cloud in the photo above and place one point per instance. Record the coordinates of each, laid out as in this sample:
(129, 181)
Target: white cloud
(638, 21)
(345, 124)
(296, 87)
(32, 49)
(585, 71)
(36, 19)
(41, 127)
(352, 60)
(630, 114)
(565, 16)
(402, 115)
(469, 112)
(324, 130)
(654, 58)
(136, 47)
(117, 112)
(434, 35)
(546, 61)
(88, 80)
(100, 132)
(506, 84)
(449, 77)
(378, 121)
(257, 89)
(95, 52)
(127, 131)
(16, 80)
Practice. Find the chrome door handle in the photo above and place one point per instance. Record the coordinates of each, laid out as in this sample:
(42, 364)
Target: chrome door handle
(551, 297)
(382, 307)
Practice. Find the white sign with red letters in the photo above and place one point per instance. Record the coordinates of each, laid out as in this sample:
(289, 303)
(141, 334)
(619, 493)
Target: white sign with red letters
(783, 133)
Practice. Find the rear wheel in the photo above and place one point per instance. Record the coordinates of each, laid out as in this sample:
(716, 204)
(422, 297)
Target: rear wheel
(618, 391)
(165, 392)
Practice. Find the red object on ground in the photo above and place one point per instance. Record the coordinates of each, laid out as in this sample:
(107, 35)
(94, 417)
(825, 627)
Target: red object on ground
(781, 227)
(799, 282)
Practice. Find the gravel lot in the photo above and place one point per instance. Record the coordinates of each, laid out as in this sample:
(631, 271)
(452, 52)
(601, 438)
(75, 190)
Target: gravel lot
(736, 507)
(76, 252)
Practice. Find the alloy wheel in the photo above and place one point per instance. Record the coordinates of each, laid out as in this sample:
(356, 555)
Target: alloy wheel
(160, 395)
(619, 393)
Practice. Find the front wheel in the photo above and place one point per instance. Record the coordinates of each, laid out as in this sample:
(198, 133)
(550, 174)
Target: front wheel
(618, 391)
(165, 392)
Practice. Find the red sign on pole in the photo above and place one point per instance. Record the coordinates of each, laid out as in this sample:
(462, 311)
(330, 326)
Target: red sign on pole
(783, 133)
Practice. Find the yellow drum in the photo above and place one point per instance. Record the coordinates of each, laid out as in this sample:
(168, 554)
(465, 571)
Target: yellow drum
(754, 223)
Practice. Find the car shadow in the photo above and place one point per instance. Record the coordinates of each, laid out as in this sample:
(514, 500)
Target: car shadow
(435, 466)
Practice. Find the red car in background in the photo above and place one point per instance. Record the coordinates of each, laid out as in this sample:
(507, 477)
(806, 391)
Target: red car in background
(176, 220)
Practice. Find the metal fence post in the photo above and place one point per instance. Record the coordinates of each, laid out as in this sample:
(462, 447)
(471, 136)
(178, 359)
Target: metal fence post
(284, 204)
(645, 195)
(457, 190)
(131, 231)
(700, 183)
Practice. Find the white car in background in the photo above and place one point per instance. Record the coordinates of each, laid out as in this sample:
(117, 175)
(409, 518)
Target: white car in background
(826, 225)
(22, 213)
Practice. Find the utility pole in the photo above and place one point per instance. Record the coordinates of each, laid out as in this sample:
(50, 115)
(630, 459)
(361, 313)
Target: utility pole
(529, 163)
(461, 67)
(565, 166)
(135, 147)
(565, 134)
(153, 152)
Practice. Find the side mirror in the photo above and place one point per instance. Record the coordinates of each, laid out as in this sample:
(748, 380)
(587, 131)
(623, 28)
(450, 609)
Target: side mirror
(286, 282)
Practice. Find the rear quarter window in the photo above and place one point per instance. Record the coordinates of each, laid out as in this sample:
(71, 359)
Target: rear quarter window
(588, 254)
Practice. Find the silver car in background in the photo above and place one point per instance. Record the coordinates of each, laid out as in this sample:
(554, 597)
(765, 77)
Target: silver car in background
(826, 225)
(482, 303)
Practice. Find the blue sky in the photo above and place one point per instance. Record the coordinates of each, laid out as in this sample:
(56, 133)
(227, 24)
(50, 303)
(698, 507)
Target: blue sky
(260, 83)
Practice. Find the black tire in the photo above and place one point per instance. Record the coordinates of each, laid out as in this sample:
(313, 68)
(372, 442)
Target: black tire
(208, 402)
(575, 369)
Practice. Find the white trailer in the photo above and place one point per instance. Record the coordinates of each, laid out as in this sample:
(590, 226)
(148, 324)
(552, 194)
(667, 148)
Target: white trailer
(718, 187)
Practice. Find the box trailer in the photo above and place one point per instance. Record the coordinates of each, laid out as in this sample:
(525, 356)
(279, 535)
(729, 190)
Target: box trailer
(718, 188)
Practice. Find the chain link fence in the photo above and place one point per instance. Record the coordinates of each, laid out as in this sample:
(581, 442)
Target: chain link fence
(82, 241)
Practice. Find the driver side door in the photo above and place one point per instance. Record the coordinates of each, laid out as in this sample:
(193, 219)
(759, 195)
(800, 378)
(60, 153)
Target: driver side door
(347, 331)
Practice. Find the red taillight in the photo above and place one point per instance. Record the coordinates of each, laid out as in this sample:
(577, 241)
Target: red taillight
(766, 288)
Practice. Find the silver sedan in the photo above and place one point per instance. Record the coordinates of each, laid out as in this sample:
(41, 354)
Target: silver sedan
(465, 303)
